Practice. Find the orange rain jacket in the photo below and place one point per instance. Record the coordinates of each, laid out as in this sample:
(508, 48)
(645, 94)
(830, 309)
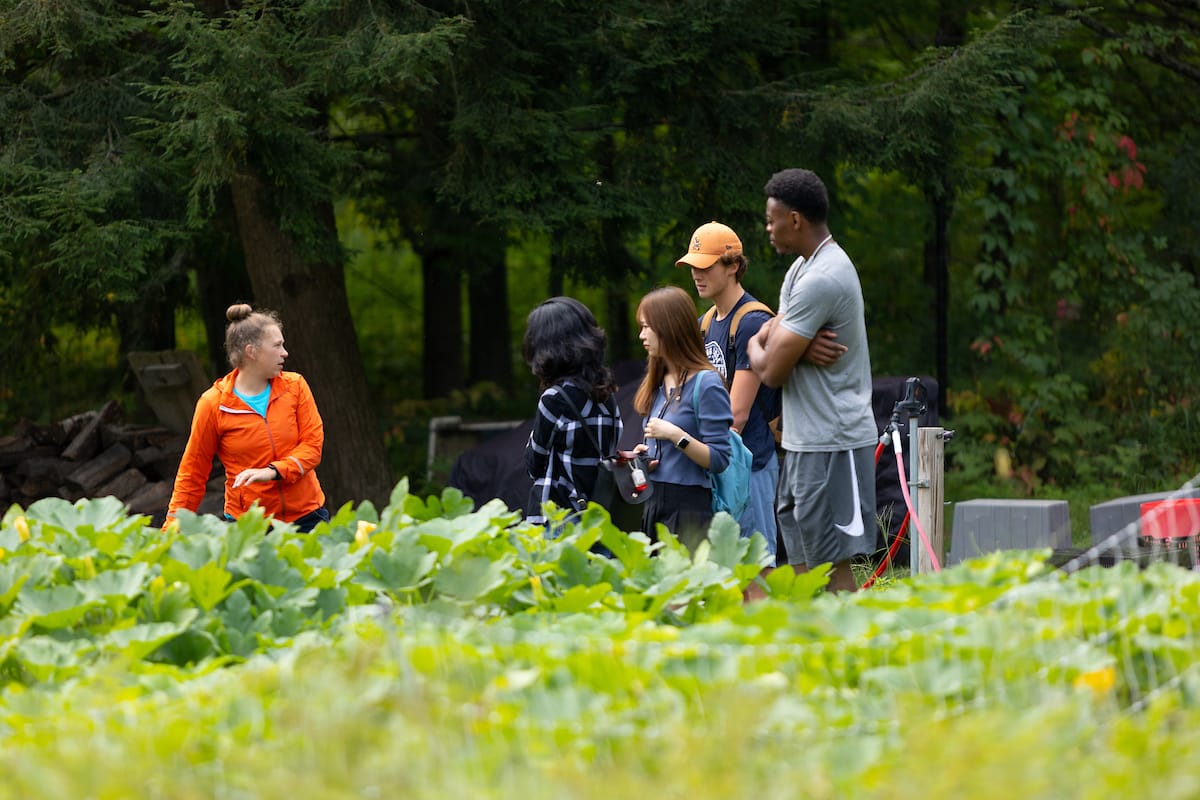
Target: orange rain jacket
(290, 439)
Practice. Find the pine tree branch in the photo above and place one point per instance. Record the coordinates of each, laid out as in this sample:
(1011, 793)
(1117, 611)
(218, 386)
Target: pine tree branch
(1154, 54)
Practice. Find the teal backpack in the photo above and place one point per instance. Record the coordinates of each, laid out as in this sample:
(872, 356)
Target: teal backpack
(730, 487)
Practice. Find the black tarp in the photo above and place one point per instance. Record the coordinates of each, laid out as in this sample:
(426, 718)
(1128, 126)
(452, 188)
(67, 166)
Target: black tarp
(889, 500)
(496, 467)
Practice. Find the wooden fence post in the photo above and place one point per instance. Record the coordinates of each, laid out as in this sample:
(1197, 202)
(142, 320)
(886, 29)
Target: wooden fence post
(930, 495)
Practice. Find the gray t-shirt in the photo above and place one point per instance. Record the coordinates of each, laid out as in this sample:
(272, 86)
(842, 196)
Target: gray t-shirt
(827, 408)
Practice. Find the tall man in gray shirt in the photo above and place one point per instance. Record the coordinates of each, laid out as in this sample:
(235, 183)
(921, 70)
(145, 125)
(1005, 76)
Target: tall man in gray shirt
(826, 498)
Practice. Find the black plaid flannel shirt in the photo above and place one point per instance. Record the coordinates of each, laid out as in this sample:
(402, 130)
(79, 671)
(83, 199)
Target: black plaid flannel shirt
(560, 456)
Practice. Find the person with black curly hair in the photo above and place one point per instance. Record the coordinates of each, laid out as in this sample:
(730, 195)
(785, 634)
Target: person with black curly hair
(826, 500)
(564, 347)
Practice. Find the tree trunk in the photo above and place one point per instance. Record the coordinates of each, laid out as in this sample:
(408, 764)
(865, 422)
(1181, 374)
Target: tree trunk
(620, 338)
(616, 292)
(148, 323)
(221, 281)
(490, 339)
(311, 300)
(441, 301)
(951, 24)
(452, 245)
(558, 268)
(937, 275)
(951, 32)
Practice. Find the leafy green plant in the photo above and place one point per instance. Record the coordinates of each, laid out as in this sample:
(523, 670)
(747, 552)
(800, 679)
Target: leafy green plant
(460, 652)
(85, 583)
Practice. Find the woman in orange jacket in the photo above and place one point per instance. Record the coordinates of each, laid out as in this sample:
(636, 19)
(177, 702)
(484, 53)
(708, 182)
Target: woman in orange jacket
(263, 424)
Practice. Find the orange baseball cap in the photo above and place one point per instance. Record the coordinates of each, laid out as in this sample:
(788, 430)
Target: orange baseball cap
(709, 243)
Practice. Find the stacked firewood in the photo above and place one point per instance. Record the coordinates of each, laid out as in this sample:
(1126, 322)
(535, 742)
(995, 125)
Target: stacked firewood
(96, 454)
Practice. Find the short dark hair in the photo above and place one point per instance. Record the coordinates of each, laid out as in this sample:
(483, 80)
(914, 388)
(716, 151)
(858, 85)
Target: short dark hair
(563, 340)
(801, 190)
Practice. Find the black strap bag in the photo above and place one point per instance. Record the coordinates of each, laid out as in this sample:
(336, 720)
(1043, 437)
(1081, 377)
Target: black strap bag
(618, 476)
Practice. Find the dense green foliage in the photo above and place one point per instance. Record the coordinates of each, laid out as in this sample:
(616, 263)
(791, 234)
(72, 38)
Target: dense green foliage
(435, 651)
(1015, 186)
(84, 584)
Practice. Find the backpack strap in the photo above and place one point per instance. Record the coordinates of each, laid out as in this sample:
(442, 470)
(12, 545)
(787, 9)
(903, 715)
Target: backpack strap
(753, 305)
(696, 410)
(743, 310)
(583, 422)
(746, 308)
(595, 443)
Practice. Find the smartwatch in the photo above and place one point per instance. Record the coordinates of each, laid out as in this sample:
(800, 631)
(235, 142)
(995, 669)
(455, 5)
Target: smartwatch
(683, 442)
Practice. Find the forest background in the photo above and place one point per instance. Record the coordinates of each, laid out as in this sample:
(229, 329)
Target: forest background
(403, 181)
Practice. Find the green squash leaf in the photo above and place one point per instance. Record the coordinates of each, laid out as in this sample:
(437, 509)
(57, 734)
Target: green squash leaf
(728, 547)
(405, 568)
(13, 575)
(138, 641)
(579, 598)
(471, 578)
(53, 608)
(209, 584)
(48, 659)
(123, 583)
(269, 568)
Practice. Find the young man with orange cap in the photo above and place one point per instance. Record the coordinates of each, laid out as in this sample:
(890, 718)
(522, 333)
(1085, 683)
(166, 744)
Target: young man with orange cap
(718, 265)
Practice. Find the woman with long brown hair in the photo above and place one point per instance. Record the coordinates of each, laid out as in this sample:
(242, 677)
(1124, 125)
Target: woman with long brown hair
(687, 416)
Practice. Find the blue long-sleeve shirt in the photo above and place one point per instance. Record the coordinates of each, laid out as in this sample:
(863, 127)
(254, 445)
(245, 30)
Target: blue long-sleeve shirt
(710, 426)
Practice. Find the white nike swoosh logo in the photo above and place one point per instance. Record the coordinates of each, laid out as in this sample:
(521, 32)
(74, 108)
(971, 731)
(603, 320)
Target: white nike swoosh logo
(855, 528)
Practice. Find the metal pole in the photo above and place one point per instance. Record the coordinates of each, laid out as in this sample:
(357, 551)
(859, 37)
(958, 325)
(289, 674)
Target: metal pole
(914, 403)
(914, 480)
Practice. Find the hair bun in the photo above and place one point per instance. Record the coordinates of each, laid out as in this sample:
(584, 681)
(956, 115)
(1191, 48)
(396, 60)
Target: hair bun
(238, 312)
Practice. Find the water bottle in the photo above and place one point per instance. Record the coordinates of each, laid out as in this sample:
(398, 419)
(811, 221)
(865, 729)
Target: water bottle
(639, 478)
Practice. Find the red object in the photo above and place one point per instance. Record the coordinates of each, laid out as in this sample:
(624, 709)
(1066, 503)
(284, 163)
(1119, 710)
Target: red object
(1171, 519)
(887, 558)
(899, 537)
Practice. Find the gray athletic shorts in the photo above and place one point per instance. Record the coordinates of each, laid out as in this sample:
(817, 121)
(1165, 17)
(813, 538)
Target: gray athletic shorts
(826, 505)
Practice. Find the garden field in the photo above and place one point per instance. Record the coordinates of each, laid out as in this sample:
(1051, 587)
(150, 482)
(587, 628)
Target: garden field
(431, 650)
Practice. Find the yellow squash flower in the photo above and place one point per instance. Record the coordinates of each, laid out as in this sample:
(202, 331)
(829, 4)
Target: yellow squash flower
(363, 534)
(1100, 681)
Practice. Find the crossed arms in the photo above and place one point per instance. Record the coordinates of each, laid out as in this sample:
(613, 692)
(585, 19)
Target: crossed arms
(775, 350)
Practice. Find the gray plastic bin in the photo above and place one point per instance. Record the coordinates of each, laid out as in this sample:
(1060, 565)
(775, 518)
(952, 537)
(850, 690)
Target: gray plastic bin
(984, 526)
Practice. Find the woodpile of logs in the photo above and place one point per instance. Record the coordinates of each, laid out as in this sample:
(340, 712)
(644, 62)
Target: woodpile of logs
(95, 454)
